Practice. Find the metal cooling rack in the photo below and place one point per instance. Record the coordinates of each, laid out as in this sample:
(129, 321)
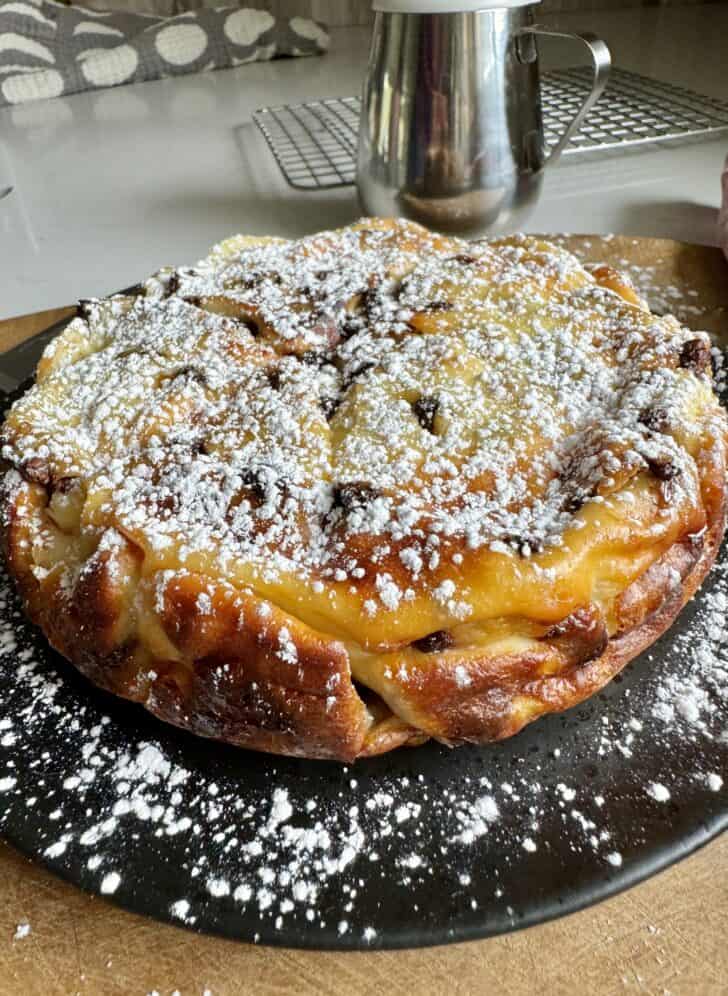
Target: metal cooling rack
(634, 110)
(315, 143)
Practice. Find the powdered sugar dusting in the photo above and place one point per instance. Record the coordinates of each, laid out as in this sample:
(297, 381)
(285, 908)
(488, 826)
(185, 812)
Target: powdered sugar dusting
(261, 413)
(286, 849)
(658, 792)
(110, 883)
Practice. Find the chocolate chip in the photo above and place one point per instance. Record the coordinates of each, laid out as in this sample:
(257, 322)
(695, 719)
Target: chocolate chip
(172, 284)
(274, 377)
(254, 482)
(586, 632)
(663, 470)
(363, 368)
(353, 495)
(189, 372)
(329, 407)
(401, 288)
(426, 408)
(465, 258)
(313, 358)
(574, 503)
(37, 470)
(351, 325)
(84, 307)
(434, 643)
(524, 545)
(371, 298)
(254, 280)
(655, 419)
(438, 306)
(695, 356)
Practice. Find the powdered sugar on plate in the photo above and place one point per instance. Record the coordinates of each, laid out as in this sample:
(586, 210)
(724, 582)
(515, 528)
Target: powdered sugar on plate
(306, 852)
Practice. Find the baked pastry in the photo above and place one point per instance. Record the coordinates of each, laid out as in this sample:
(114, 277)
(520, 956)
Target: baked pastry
(331, 496)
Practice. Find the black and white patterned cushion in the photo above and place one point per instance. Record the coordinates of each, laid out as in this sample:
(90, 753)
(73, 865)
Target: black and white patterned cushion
(48, 49)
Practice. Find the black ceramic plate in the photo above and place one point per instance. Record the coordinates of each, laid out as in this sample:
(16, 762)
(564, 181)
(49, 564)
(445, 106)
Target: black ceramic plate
(419, 847)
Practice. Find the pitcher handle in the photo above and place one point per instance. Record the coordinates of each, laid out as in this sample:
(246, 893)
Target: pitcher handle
(601, 64)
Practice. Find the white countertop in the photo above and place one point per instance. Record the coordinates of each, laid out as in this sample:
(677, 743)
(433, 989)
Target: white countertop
(112, 184)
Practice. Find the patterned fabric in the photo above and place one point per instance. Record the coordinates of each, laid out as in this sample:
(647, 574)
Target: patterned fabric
(49, 50)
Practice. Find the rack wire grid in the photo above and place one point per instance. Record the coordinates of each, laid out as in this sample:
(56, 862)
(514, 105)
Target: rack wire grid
(314, 143)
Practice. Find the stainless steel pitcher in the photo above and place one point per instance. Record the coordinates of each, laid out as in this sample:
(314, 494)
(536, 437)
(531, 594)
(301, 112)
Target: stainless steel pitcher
(451, 133)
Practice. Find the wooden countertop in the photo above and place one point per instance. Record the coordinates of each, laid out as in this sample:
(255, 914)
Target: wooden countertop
(666, 937)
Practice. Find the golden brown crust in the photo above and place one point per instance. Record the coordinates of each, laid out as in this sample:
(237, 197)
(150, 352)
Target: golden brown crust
(477, 698)
(222, 677)
(490, 708)
(231, 686)
(221, 658)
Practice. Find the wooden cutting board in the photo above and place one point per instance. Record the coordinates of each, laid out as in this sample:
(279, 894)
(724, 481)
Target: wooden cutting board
(665, 937)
